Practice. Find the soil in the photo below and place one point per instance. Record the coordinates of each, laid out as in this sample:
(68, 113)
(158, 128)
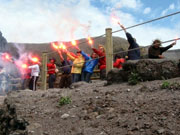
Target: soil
(95, 109)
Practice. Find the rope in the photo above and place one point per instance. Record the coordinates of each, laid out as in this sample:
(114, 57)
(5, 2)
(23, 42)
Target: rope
(128, 28)
(149, 21)
(121, 52)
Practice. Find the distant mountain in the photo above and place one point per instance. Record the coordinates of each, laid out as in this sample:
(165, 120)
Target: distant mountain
(118, 43)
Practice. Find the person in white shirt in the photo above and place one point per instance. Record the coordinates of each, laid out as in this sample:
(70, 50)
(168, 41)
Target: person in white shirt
(34, 75)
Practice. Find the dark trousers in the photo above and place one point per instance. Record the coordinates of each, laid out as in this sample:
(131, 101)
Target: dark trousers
(76, 77)
(33, 82)
(24, 83)
(86, 76)
(65, 81)
(103, 74)
(52, 79)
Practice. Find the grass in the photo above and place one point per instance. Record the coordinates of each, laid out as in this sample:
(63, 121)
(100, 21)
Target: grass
(134, 78)
(171, 86)
(64, 101)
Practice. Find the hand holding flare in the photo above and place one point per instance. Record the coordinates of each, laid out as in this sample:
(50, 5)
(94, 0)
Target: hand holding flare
(90, 41)
(74, 43)
(176, 39)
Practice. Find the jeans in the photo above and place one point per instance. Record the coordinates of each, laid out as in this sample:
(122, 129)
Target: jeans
(76, 77)
(52, 78)
(86, 76)
(65, 81)
(103, 74)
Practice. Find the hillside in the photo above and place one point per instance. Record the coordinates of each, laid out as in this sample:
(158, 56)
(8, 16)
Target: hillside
(95, 109)
(46, 47)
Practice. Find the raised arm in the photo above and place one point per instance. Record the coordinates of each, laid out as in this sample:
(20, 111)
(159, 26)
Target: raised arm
(123, 27)
(85, 55)
(163, 49)
(97, 52)
(70, 56)
(61, 57)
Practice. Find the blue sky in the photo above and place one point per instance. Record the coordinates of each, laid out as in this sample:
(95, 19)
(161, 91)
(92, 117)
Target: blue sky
(38, 21)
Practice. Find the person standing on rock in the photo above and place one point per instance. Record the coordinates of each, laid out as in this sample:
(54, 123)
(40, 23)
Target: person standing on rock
(155, 51)
(51, 71)
(134, 54)
(102, 61)
(34, 75)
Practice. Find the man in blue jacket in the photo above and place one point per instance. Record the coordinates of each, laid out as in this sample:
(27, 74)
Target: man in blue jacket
(89, 66)
(134, 54)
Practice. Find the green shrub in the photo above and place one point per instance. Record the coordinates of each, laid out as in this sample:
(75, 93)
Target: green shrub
(134, 78)
(64, 101)
(165, 85)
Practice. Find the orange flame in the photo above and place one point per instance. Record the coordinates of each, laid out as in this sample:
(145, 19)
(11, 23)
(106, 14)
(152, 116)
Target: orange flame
(7, 57)
(176, 38)
(24, 66)
(73, 42)
(55, 46)
(90, 41)
(115, 20)
(62, 46)
(34, 59)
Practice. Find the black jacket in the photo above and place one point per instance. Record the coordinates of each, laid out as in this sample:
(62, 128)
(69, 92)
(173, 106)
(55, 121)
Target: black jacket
(155, 52)
(135, 54)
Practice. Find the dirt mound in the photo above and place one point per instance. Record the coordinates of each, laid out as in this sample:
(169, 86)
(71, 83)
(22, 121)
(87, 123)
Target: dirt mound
(118, 109)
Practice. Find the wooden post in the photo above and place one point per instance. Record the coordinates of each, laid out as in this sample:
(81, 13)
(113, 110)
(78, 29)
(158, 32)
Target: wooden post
(44, 71)
(109, 50)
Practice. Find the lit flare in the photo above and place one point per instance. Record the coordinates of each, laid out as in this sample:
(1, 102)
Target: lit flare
(116, 20)
(90, 41)
(24, 66)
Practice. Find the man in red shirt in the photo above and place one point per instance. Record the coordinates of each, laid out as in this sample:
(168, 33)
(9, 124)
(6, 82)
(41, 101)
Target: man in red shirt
(51, 71)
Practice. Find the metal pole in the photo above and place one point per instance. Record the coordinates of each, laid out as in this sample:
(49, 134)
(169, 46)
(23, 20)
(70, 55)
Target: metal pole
(44, 71)
(109, 50)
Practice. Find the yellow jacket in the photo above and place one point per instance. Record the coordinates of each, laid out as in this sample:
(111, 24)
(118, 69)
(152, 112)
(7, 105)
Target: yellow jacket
(78, 63)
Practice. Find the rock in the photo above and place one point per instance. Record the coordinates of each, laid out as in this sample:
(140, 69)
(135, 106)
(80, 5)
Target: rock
(160, 131)
(147, 70)
(128, 90)
(65, 116)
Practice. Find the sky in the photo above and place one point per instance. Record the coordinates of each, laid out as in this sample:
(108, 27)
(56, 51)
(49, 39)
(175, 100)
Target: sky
(41, 21)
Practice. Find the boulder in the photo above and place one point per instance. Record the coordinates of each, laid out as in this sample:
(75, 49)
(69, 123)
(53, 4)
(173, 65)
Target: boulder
(147, 70)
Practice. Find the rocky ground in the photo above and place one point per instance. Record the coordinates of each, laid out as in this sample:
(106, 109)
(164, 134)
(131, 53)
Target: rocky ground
(95, 109)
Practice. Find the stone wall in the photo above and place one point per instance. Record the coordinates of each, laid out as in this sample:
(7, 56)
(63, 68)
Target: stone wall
(146, 69)
(10, 123)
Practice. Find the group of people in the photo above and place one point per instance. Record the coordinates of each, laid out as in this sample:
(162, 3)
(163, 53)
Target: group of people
(80, 66)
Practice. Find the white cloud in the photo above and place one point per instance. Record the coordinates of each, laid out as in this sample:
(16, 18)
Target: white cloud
(147, 10)
(171, 7)
(40, 21)
(134, 4)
